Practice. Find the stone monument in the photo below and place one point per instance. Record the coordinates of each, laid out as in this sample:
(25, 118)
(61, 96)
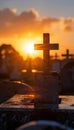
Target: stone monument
(49, 92)
(15, 74)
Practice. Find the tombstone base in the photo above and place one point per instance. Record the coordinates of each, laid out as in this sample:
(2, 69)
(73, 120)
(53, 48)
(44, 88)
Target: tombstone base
(45, 106)
(47, 96)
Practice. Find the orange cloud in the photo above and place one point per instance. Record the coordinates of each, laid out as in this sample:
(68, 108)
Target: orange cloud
(14, 10)
(68, 25)
(12, 24)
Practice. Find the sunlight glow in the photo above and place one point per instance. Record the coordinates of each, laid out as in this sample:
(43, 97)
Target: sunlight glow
(26, 47)
(29, 48)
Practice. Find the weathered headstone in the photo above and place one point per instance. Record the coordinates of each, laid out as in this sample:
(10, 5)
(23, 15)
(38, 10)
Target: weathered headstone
(15, 74)
(3, 68)
(56, 67)
(56, 64)
(49, 92)
(67, 55)
(4, 73)
(67, 77)
(72, 70)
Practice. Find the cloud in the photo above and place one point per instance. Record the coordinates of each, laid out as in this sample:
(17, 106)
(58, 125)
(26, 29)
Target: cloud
(68, 25)
(14, 10)
(34, 12)
(12, 24)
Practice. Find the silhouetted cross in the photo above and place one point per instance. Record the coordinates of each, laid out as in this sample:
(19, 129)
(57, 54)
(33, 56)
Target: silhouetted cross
(46, 47)
(67, 55)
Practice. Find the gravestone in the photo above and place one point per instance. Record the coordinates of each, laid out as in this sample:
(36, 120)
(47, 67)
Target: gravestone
(3, 68)
(67, 78)
(15, 74)
(56, 67)
(72, 70)
(67, 55)
(4, 74)
(56, 64)
(48, 96)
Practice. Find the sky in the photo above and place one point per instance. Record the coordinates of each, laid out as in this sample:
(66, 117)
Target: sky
(23, 22)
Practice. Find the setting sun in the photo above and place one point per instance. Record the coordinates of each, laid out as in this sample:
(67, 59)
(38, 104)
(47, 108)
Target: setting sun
(29, 48)
(26, 47)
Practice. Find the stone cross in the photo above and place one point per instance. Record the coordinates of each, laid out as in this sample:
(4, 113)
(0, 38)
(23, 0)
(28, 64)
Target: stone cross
(67, 55)
(46, 47)
(48, 92)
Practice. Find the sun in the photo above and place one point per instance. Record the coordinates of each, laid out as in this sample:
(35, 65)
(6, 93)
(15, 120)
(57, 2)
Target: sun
(29, 48)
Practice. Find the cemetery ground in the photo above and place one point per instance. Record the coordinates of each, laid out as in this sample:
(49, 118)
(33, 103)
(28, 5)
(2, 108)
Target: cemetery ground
(18, 108)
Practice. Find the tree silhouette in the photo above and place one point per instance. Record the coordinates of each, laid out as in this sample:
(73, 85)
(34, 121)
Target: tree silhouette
(8, 53)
